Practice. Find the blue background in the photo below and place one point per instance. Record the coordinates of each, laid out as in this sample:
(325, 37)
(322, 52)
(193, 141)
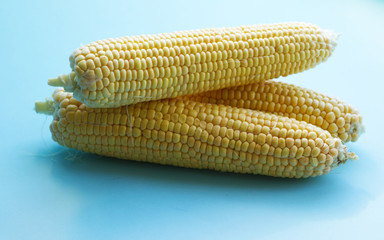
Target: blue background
(51, 192)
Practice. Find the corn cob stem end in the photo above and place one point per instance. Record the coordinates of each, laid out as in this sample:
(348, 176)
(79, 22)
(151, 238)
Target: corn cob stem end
(45, 107)
(65, 80)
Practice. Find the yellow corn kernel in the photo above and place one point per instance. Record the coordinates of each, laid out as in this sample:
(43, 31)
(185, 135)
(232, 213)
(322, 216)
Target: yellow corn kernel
(175, 64)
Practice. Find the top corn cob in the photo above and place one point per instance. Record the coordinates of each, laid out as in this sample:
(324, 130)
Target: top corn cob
(121, 71)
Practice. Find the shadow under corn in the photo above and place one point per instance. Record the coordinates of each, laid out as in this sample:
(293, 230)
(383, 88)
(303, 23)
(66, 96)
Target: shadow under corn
(83, 170)
(158, 195)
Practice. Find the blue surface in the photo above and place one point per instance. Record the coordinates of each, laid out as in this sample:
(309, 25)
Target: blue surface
(50, 192)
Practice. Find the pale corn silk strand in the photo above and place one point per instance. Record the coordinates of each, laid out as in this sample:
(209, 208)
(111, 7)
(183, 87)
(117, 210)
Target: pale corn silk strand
(70, 154)
(48, 109)
(191, 134)
(115, 72)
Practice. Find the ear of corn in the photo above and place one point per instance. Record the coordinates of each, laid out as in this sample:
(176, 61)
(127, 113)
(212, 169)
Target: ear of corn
(331, 114)
(186, 133)
(121, 71)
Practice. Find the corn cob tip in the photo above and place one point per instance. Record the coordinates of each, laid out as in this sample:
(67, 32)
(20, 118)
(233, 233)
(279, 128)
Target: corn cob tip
(332, 36)
(344, 155)
(65, 80)
(356, 130)
(352, 156)
(45, 107)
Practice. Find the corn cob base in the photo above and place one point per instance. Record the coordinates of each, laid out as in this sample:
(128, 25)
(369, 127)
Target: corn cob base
(191, 134)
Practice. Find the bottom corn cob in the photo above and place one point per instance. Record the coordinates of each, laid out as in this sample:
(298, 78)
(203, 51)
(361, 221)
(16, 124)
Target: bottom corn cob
(186, 133)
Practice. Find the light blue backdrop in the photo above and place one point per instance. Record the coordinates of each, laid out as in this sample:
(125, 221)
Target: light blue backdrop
(50, 192)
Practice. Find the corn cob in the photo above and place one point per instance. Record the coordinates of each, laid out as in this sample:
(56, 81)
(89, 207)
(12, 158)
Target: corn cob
(331, 114)
(122, 71)
(196, 135)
